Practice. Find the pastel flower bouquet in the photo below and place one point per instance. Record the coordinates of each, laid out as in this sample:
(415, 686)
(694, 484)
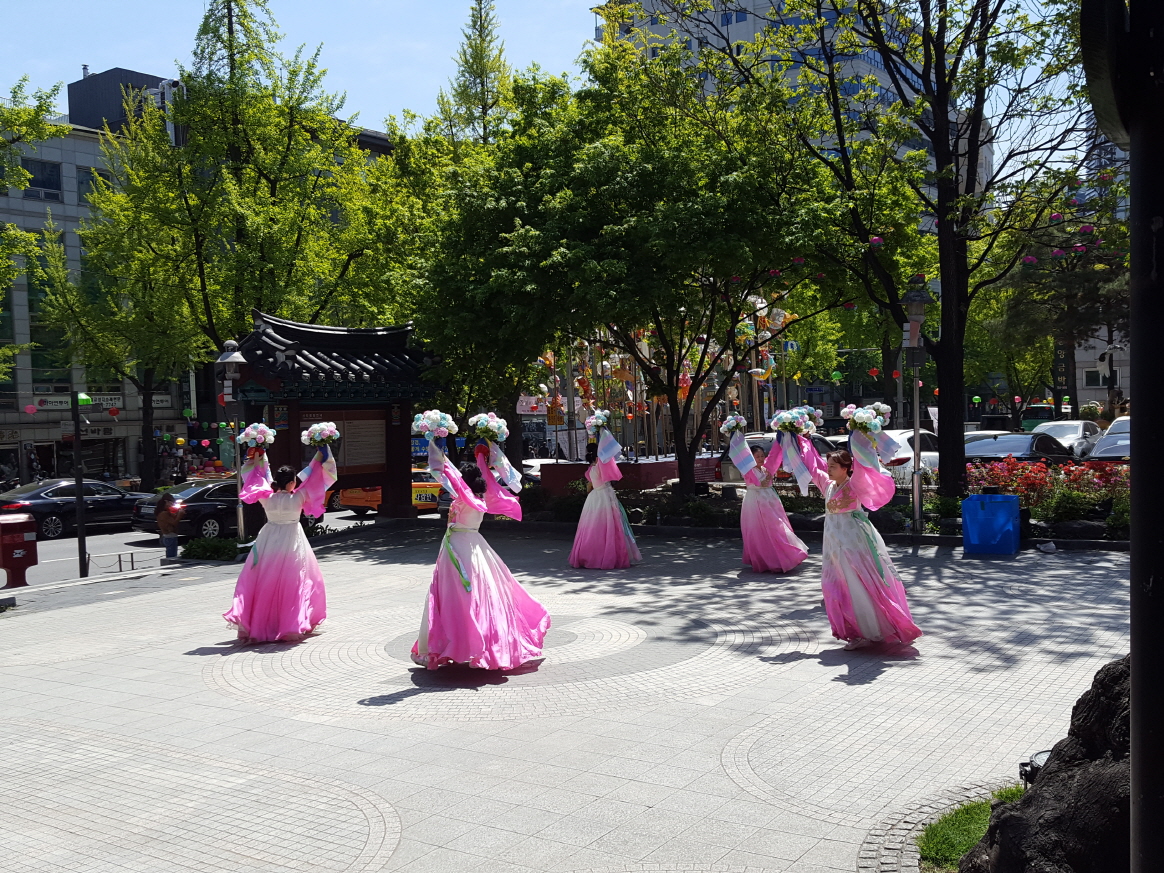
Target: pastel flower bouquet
(803, 420)
(733, 424)
(257, 436)
(867, 419)
(322, 433)
(599, 419)
(489, 427)
(433, 424)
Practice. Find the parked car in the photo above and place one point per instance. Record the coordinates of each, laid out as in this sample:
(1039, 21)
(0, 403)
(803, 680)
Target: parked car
(1116, 443)
(901, 466)
(1039, 413)
(725, 470)
(53, 504)
(361, 501)
(973, 435)
(1022, 446)
(1079, 436)
(209, 510)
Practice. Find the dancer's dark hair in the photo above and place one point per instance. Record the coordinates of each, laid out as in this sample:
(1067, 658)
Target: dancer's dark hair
(591, 453)
(283, 477)
(472, 477)
(842, 457)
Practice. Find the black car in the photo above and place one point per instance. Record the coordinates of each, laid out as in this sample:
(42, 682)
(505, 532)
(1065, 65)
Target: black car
(1022, 446)
(53, 503)
(1116, 443)
(209, 509)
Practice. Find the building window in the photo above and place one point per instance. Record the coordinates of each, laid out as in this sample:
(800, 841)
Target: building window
(654, 51)
(1098, 379)
(739, 49)
(741, 17)
(725, 19)
(654, 21)
(687, 43)
(86, 179)
(45, 183)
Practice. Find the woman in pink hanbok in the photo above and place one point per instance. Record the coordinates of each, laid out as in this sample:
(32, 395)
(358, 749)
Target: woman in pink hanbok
(476, 613)
(604, 540)
(770, 546)
(279, 595)
(863, 594)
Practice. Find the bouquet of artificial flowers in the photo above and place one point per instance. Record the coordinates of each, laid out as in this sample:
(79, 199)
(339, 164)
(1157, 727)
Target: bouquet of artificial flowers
(733, 424)
(322, 433)
(257, 436)
(803, 420)
(867, 419)
(600, 418)
(489, 427)
(433, 424)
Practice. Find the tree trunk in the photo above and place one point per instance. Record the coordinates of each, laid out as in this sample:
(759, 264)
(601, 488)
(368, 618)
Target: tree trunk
(684, 453)
(513, 445)
(149, 447)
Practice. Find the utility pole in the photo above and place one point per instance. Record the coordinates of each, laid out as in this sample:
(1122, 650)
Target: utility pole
(1123, 56)
(78, 398)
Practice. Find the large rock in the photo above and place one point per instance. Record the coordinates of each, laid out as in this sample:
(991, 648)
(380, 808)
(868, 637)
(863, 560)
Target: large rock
(1076, 818)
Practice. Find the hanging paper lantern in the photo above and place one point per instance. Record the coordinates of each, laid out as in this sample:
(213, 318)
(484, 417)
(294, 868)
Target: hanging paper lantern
(874, 372)
(166, 437)
(206, 442)
(180, 441)
(994, 401)
(1079, 249)
(114, 411)
(798, 261)
(1087, 228)
(975, 399)
(1073, 183)
(30, 409)
(187, 413)
(630, 415)
(1058, 253)
(1106, 177)
(836, 375)
(1030, 261)
(850, 306)
(897, 374)
(876, 242)
(820, 275)
(1017, 399)
(773, 272)
(1073, 201)
(1066, 399)
(218, 441)
(735, 278)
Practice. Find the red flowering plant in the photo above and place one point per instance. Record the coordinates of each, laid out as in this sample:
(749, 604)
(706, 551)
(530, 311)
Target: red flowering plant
(1036, 483)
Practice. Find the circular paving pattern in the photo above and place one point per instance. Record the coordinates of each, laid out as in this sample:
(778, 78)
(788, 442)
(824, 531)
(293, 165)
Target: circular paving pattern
(594, 658)
(83, 800)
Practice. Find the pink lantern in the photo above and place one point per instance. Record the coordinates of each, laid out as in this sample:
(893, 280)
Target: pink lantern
(798, 261)
(1018, 399)
(30, 409)
(206, 442)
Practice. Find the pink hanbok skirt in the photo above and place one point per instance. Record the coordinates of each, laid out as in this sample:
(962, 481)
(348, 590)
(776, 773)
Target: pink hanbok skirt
(494, 624)
(864, 597)
(279, 594)
(770, 546)
(604, 540)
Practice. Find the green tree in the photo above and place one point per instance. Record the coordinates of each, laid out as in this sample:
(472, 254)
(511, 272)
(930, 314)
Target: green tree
(121, 315)
(479, 100)
(23, 124)
(978, 93)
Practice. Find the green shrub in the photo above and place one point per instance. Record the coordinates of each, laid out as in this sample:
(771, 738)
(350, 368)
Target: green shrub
(1120, 521)
(944, 842)
(533, 498)
(701, 513)
(803, 505)
(944, 507)
(211, 549)
(1065, 505)
(568, 507)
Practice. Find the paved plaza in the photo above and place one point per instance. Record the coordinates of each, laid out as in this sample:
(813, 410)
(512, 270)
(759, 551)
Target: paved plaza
(687, 716)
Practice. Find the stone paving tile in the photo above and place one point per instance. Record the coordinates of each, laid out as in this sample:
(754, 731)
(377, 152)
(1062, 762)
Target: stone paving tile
(684, 718)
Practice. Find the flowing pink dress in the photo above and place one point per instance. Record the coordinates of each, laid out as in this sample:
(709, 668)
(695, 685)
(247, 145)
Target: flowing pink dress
(476, 613)
(863, 594)
(279, 594)
(604, 540)
(770, 546)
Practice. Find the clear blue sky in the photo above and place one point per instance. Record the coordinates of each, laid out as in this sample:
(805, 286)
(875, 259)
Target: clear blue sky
(387, 55)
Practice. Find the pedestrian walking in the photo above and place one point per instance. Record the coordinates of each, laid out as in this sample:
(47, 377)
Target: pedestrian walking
(475, 613)
(770, 546)
(167, 514)
(863, 594)
(279, 594)
(603, 540)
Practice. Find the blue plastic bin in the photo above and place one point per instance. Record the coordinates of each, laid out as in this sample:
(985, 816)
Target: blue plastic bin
(990, 524)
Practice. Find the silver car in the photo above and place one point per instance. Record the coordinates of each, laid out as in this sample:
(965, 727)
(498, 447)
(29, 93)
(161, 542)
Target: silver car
(1078, 436)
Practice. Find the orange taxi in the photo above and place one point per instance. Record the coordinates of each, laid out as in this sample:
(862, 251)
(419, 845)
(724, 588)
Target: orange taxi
(425, 492)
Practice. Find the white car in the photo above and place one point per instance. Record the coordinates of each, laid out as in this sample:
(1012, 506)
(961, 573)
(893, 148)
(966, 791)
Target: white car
(901, 467)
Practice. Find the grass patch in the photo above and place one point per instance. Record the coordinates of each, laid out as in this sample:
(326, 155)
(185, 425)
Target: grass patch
(944, 842)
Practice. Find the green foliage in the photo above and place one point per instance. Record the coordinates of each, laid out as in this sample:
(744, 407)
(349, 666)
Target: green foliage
(1119, 522)
(212, 549)
(481, 92)
(567, 507)
(944, 842)
(1065, 505)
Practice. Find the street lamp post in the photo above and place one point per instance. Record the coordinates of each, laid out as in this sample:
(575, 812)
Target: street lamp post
(79, 399)
(228, 372)
(915, 301)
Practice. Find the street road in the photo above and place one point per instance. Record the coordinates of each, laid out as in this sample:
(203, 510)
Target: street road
(115, 549)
